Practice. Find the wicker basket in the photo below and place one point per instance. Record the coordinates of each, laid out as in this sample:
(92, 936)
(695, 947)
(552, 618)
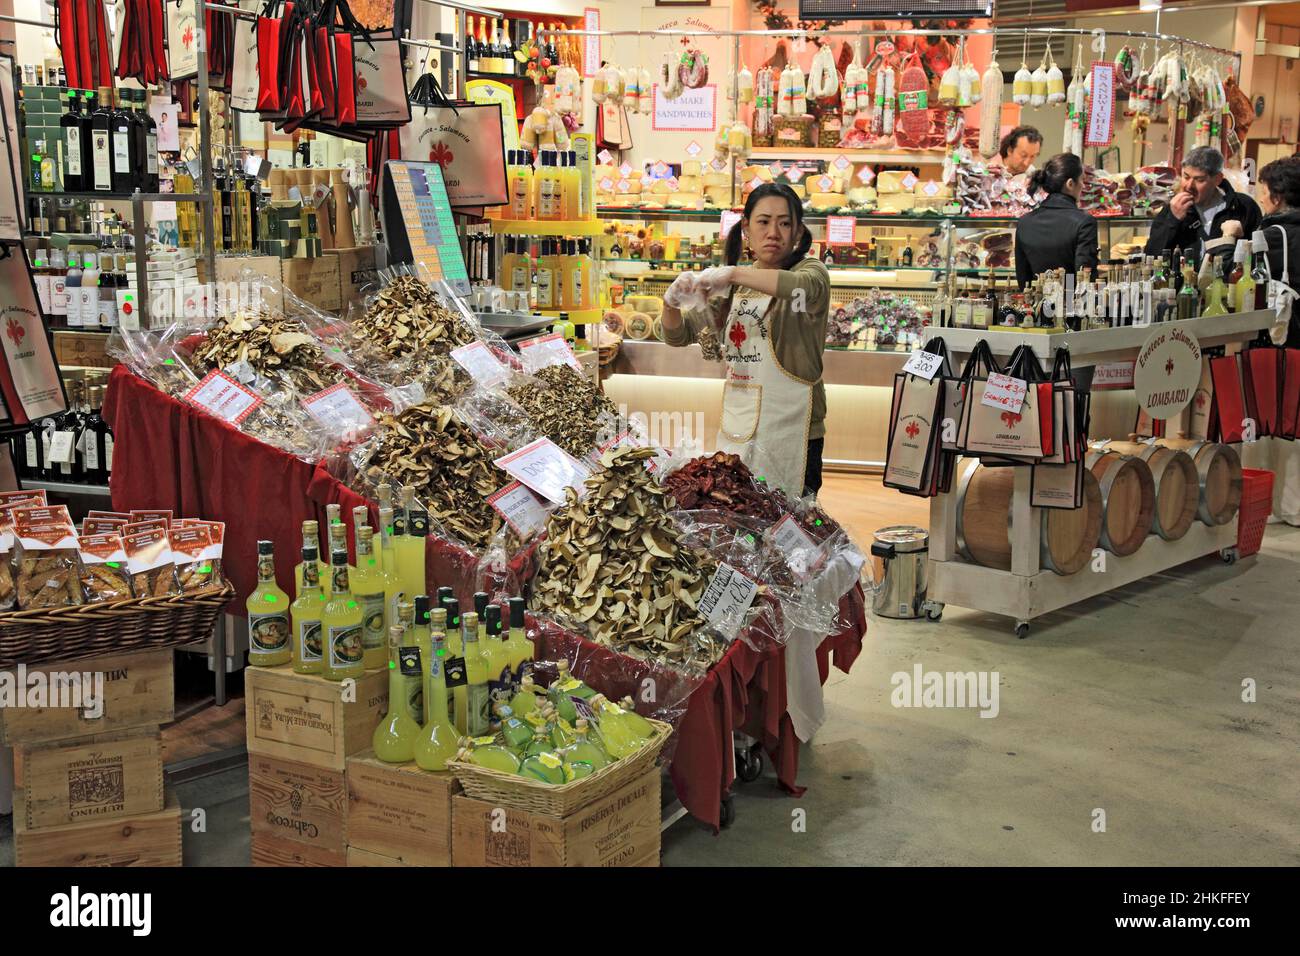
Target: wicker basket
(87, 630)
(525, 793)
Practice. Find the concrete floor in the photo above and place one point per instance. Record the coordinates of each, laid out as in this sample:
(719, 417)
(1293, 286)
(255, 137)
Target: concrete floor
(1130, 703)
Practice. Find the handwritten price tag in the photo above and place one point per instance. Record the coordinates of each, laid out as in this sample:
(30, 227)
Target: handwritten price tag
(221, 396)
(520, 507)
(546, 468)
(337, 408)
(1004, 392)
(841, 230)
(477, 359)
(923, 364)
(802, 553)
(547, 350)
(726, 600)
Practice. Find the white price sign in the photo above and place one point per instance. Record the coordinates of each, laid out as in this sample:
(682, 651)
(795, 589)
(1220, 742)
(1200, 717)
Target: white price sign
(477, 359)
(520, 507)
(909, 182)
(802, 553)
(842, 163)
(694, 149)
(61, 447)
(607, 184)
(726, 600)
(547, 350)
(841, 230)
(221, 396)
(729, 218)
(605, 156)
(1005, 392)
(546, 468)
(338, 408)
(625, 170)
(624, 185)
(693, 110)
(865, 175)
(755, 183)
(794, 174)
(923, 364)
(825, 183)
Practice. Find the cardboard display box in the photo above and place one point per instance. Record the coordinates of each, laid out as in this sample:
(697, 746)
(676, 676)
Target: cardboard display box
(231, 269)
(82, 348)
(103, 777)
(315, 280)
(400, 811)
(304, 718)
(138, 690)
(356, 271)
(153, 839)
(297, 803)
(621, 829)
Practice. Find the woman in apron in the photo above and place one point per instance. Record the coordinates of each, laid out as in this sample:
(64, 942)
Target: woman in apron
(769, 318)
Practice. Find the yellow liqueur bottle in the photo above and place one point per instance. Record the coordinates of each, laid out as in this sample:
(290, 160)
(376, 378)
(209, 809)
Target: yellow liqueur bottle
(415, 636)
(387, 556)
(514, 731)
(583, 750)
(564, 689)
(409, 547)
(486, 752)
(305, 612)
(368, 589)
(455, 664)
(500, 688)
(527, 700)
(476, 711)
(438, 742)
(619, 733)
(396, 735)
(519, 649)
(344, 655)
(268, 614)
(310, 539)
(435, 632)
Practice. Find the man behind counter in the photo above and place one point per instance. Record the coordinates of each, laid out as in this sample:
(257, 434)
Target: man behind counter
(1019, 148)
(1203, 203)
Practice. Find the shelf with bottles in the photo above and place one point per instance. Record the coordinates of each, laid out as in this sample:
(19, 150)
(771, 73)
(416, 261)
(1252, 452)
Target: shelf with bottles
(89, 463)
(67, 488)
(898, 157)
(122, 197)
(819, 219)
(547, 227)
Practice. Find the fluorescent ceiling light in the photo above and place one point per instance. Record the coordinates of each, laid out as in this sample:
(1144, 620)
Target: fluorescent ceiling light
(1150, 6)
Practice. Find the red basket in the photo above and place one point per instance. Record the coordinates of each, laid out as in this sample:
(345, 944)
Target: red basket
(1256, 506)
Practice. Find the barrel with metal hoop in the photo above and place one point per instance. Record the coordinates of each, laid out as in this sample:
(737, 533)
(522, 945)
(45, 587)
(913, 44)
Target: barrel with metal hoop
(1218, 468)
(1178, 489)
(1128, 496)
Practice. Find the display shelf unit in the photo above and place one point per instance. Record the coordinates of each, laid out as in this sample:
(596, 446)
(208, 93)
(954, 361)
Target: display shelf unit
(819, 219)
(839, 366)
(892, 157)
(547, 227)
(120, 197)
(67, 487)
(1028, 591)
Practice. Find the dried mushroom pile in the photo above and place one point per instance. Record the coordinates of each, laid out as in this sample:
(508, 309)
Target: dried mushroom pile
(565, 406)
(442, 379)
(272, 345)
(612, 561)
(429, 448)
(721, 481)
(407, 318)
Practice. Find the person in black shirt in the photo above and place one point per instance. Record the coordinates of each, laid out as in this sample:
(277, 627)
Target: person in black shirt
(1056, 234)
(1197, 212)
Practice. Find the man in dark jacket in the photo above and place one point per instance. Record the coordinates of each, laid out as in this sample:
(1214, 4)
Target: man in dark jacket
(1203, 203)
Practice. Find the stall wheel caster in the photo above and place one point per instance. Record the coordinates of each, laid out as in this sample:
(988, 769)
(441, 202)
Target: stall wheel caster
(749, 763)
(1022, 629)
(1229, 555)
(727, 812)
(933, 611)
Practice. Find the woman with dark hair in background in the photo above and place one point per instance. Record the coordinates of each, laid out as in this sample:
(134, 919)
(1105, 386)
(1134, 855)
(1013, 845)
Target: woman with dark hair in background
(770, 318)
(1056, 234)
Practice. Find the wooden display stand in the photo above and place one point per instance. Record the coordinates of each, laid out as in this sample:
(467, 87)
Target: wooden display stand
(297, 808)
(399, 812)
(1027, 591)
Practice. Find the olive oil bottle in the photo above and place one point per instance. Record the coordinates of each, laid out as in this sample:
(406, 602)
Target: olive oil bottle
(343, 654)
(395, 736)
(306, 611)
(268, 614)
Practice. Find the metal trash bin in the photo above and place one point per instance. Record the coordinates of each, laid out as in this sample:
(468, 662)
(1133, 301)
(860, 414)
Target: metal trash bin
(904, 550)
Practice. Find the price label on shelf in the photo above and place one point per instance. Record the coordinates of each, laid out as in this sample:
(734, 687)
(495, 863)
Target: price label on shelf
(547, 350)
(693, 149)
(909, 182)
(607, 184)
(625, 170)
(729, 218)
(337, 408)
(726, 600)
(520, 508)
(477, 359)
(1004, 392)
(931, 188)
(221, 396)
(923, 364)
(605, 157)
(778, 168)
(841, 230)
(661, 169)
(546, 468)
(842, 163)
(795, 173)
(865, 175)
(61, 447)
(624, 185)
(719, 164)
(825, 183)
(755, 183)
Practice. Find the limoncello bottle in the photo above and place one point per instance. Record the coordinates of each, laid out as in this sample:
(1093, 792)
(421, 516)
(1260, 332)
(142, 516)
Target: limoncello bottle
(368, 589)
(445, 594)
(494, 649)
(619, 734)
(268, 614)
(395, 736)
(387, 555)
(335, 538)
(409, 548)
(565, 687)
(306, 611)
(487, 753)
(475, 714)
(344, 655)
(480, 608)
(437, 628)
(541, 742)
(546, 766)
(416, 630)
(516, 733)
(438, 742)
(310, 539)
(455, 646)
(527, 700)
(643, 726)
(583, 749)
(519, 649)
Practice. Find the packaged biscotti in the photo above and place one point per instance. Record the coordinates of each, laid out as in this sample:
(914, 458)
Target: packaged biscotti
(193, 571)
(46, 558)
(118, 515)
(136, 527)
(149, 559)
(7, 596)
(215, 549)
(26, 496)
(102, 526)
(104, 574)
(157, 515)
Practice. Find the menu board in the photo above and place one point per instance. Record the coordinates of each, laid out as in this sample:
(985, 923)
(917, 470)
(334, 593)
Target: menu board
(419, 225)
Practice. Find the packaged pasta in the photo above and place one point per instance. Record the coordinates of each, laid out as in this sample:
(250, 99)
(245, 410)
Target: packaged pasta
(193, 571)
(46, 558)
(149, 559)
(104, 574)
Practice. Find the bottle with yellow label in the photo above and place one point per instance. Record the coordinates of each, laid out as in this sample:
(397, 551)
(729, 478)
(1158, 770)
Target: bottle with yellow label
(500, 685)
(414, 637)
(395, 736)
(473, 719)
(438, 742)
(268, 614)
(564, 689)
(336, 539)
(514, 731)
(368, 589)
(519, 649)
(305, 612)
(343, 654)
(431, 628)
(517, 265)
(547, 296)
(521, 184)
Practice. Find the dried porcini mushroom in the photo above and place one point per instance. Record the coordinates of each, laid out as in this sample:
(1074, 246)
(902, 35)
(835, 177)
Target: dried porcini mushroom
(613, 562)
(272, 345)
(723, 482)
(564, 405)
(407, 317)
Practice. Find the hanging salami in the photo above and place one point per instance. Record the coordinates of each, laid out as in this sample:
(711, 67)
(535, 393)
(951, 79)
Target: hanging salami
(912, 127)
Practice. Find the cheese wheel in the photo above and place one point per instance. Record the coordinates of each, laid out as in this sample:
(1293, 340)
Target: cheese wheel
(649, 304)
(691, 167)
(718, 195)
(896, 202)
(689, 184)
(862, 195)
(891, 181)
(826, 200)
(762, 172)
(717, 179)
(686, 200)
(800, 190)
(661, 187)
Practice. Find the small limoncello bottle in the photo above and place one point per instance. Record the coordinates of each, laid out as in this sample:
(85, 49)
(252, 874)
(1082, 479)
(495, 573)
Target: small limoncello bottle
(336, 534)
(310, 539)
(306, 611)
(438, 742)
(343, 655)
(368, 589)
(643, 726)
(485, 752)
(583, 750)
(619, 734)
(417, 637)
(395, 736)
(494, 649)
(527, 700)
(268, 614)
(565, 687)
(546, 766)
(387, 555)
(408, 560)
(519, 649)
(476, 671)
(516, 733)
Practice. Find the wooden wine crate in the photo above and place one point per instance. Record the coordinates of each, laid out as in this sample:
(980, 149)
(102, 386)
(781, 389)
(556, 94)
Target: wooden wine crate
(304, 718)
(138, 690)
(400, 811)
(359, 857)
(270, 851)
(152, 839)
(102, 777)
(620, 830)
(298, 803)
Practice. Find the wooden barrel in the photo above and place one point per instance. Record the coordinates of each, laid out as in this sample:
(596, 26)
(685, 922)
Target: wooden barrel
(1066, 536)
(1218, 470)
(1178, 487)
(1128, 497)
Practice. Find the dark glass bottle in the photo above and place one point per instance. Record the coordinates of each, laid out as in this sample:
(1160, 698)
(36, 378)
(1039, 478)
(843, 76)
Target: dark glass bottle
(71, 125)
(96, 431)
(125, 150)
(150, 145)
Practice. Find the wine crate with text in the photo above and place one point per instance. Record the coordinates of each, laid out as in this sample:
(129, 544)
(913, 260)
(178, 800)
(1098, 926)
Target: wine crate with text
(138, 691)
(621, 829)
(400, 811)
(305, 718)
(101, 777)
(298, 803)
(152, 839)
(272, 851)
(358, 857)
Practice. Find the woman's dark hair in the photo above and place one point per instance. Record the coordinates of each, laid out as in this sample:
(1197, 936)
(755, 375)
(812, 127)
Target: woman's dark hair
(803, 238)
(1282, 178)
(1055, 173)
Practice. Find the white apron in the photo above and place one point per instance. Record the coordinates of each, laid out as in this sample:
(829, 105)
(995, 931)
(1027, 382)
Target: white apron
(766, 411)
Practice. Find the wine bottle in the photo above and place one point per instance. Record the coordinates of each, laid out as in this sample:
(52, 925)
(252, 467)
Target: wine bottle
(71, 126)
(1260, 271)
(472, 52)
(126, 152)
